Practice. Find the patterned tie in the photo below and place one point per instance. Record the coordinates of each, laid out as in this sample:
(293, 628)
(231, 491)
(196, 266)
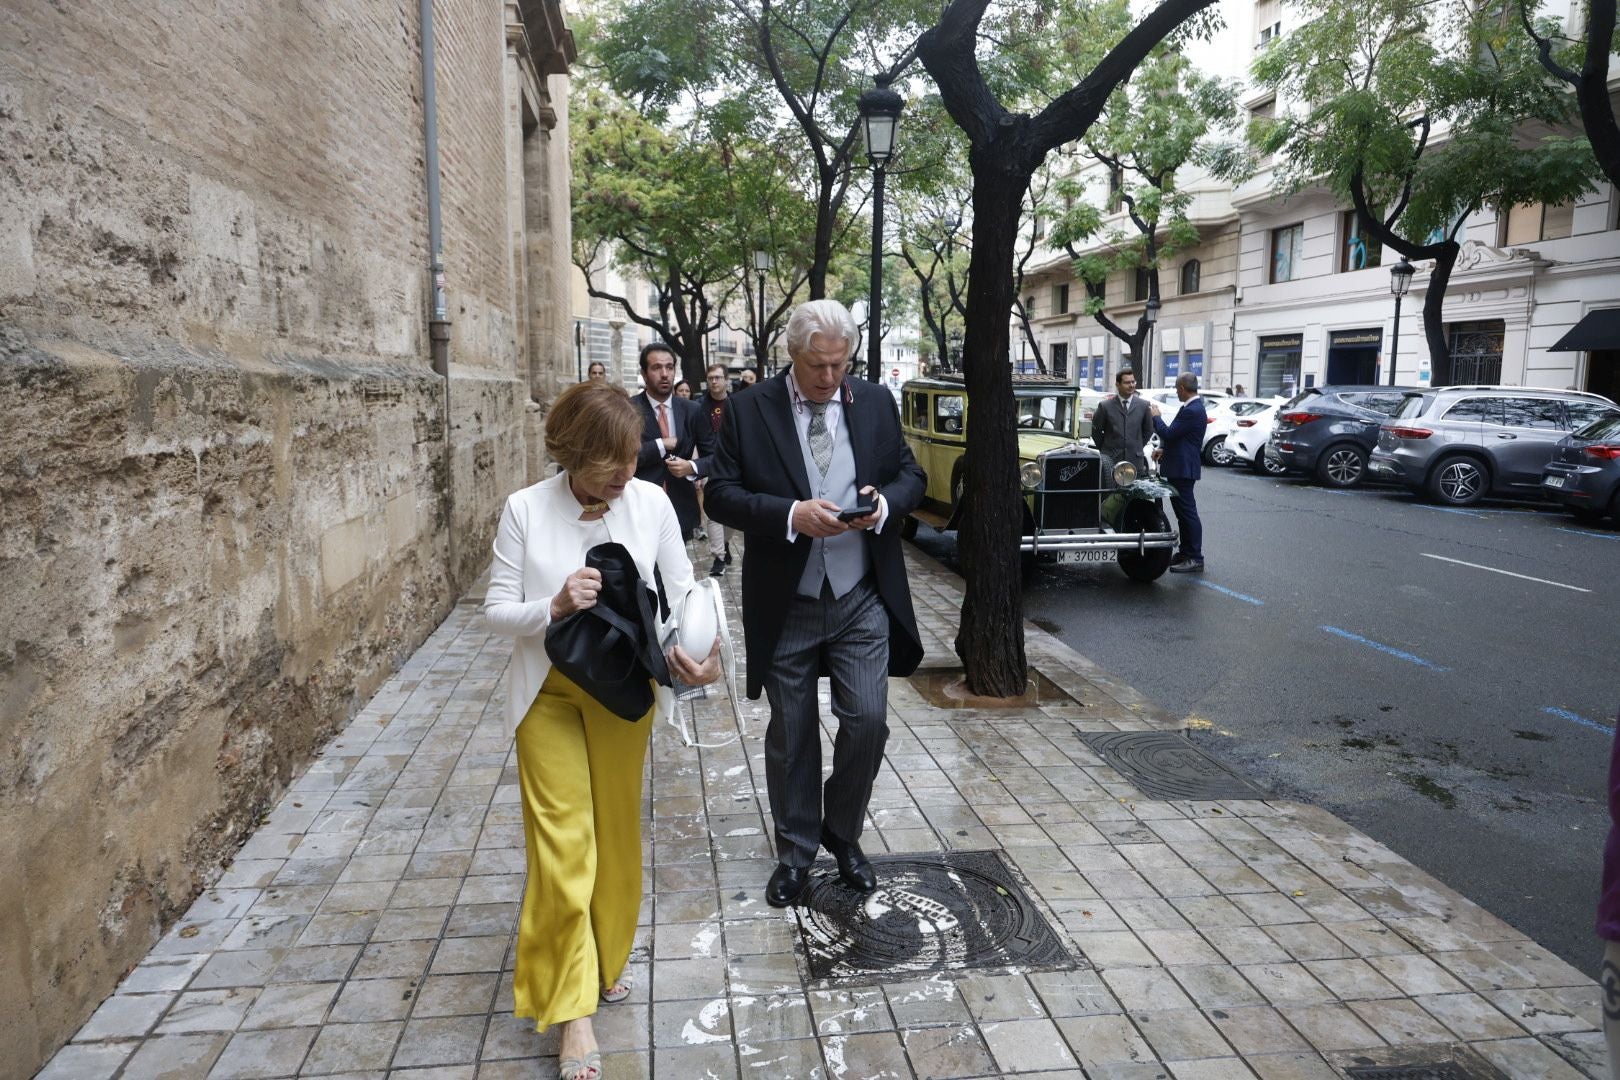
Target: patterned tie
(821, 443)
(663, 419)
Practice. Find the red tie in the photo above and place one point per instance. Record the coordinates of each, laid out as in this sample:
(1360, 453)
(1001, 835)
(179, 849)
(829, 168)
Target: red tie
(663, 418)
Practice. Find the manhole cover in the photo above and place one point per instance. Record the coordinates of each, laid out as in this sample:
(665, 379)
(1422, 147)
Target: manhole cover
(1164, 765)
(945, 912)
(1444, 1070)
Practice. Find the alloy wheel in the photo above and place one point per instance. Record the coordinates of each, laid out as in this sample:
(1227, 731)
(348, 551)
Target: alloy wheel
(1343, 467)
(1460, 481)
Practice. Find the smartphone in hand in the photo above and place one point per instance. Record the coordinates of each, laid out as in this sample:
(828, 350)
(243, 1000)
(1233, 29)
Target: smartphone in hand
(851, 513)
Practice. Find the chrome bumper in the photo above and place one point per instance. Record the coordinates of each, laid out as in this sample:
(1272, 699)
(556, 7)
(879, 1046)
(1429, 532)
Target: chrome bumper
(1133, 542)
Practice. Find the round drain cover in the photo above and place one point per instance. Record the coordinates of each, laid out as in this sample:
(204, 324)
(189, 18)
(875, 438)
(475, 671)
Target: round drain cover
(929, 913)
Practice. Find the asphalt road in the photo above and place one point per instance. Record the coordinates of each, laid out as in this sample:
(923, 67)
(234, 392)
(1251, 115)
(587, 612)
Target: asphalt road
(1361, 651)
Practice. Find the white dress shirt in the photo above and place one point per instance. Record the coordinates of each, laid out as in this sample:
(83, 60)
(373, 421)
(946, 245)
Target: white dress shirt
(834, 416)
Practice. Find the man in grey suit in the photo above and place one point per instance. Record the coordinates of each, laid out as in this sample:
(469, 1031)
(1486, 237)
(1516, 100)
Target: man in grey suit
(824, 590)
(1122, 426)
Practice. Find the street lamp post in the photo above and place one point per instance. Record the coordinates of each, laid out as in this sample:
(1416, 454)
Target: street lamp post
(762, 263)
(1150, 315)
(1400, 280)
(880, 116)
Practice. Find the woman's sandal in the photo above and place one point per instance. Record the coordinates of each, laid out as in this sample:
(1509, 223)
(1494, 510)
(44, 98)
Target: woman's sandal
(588, 1068)
(616, 993)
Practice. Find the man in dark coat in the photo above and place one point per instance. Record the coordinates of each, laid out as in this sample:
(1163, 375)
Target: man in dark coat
(821, 596)
(1182, 442)
(673, 429)
(1121, 427)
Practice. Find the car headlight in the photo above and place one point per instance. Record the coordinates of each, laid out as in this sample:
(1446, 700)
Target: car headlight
(1030, 475)
(1124, 474)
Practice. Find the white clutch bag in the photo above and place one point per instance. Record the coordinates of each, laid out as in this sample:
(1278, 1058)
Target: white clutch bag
(699, 620)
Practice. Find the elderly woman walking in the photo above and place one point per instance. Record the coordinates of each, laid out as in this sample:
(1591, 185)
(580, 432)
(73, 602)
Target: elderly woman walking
(579, 765)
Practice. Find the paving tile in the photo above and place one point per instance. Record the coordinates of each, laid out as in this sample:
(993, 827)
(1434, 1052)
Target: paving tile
(992, 998)
(840, 1012)
(455, 995)
(291, 1005)
(512, 1037)
(374, 1000)
(694, 1022)
(1215, 1069)
(176, 1056)
(1331, 1027)
(246, 967)
(1073, 993)
(207, 1010)
(1027, 1046)
(86, 1061)
(159, 973)
(799, 1060)
(440, 1040)
(344, 1048)
(1292, 1066)
(253, 1054)
(1257, 1029)
(1145, 989)
(1181, 1035)
(1398, 1021)
(1414, 973)
(1469, 1016)
(459, 956)
(771, 1018)
(1286, 984)
(1104, 1039)
(1527, 1059)
(124, 1016)
(876, 1055)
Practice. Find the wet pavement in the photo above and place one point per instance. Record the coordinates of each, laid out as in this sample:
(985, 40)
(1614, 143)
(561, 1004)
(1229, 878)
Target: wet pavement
(367, 928)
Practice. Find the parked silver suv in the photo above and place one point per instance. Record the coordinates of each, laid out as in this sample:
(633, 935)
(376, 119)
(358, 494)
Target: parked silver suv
(1461, 443)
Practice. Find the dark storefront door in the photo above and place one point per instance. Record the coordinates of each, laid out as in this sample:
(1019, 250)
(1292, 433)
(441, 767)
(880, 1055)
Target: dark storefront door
(1603, 373)
(1348, 366)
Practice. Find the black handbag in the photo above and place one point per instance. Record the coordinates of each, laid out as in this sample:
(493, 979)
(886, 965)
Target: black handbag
(611, 650)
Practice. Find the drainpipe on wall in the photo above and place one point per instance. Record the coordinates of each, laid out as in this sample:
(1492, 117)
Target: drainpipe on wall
(439, 321)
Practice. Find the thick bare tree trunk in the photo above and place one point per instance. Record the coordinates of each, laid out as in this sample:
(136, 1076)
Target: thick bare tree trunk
(1434, 319)
(990, 640)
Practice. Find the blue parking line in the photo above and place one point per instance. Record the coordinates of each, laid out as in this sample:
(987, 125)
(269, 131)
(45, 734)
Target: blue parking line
(1234, 594)
(1587, 532)
(1451, 510)
(1577, 718)
(1391, 650)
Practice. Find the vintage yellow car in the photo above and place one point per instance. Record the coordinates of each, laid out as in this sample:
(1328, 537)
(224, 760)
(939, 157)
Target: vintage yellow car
(1078, 505)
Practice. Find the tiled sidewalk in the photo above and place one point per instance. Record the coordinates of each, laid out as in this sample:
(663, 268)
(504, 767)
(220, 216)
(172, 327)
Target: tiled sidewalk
(366, 929)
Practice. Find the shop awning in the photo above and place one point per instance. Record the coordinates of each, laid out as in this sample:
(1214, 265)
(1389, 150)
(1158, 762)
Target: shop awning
(1596, 330)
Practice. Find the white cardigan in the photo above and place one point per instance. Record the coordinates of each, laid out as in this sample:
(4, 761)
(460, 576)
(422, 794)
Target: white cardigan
(541, 541)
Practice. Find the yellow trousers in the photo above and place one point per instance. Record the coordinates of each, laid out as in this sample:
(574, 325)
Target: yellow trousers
(579, 768)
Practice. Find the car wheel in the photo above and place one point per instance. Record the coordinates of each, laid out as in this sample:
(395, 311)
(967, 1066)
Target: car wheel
(1264, 464)
(1216, 453)
(1459, 481)
(1144, 516)
(1343, 466)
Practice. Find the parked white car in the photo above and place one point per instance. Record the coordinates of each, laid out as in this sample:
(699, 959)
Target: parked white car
(1247, 440)
(1165, 398)
(1224, 415)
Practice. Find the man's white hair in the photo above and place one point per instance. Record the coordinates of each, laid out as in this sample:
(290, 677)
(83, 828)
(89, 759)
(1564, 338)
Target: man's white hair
(828, 318)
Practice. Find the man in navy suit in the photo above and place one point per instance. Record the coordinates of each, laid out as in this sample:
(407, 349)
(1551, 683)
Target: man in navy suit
(1181, 458)
(673, 429)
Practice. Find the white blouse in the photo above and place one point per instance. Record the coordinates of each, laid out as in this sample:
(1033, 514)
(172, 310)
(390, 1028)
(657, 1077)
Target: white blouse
(540, 541)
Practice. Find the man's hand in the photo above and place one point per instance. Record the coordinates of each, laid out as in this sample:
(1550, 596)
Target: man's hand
(679, 467)
(1157, 454)
(689, 671)
(868, 495)
(817, 518)
(1153, 408)
(670, 442)
(577, 593)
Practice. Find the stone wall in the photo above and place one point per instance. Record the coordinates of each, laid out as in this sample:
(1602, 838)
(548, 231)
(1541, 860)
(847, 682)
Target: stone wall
(233, 494)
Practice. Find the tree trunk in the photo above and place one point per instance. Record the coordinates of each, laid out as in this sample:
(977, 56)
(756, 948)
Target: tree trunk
(1592, 92)
(991, 638)
(826, 219)
(1434, 319)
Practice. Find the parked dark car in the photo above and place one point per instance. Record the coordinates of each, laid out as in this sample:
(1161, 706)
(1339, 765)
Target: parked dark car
(1462, 443)
(1329, 431)
(1584, 473)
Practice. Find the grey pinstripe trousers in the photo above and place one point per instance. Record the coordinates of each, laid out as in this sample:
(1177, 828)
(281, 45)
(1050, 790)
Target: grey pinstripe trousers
(850, 637)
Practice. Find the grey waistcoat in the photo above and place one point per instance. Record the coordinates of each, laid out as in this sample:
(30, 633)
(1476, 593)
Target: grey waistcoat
(839, 560)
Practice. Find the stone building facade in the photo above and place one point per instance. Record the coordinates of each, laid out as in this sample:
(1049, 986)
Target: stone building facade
(234, 493)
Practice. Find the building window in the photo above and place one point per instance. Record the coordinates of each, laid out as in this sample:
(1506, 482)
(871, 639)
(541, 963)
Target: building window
(1263, 110)
(1476, 352)
(1358, 251)
(1060, 299)
(1172, 367)
(1267, 22)
(1536, 221)
(1139, 284)
(1287, 252)
(1060, 359)
(1029, 306)
(1277, 373)
(1195, 362)
(1191, 272)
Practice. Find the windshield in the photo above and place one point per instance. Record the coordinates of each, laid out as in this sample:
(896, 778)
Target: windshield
(1047, 412)
(1604, 427)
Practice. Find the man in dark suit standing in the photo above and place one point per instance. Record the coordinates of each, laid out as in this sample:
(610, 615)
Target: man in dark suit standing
(673, 428)
(1122, 426)
(821, 595)
(1182, 442)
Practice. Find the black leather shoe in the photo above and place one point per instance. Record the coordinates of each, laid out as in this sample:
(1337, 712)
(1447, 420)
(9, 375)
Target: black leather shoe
(718, 567)
(853, 868)
(787, 885)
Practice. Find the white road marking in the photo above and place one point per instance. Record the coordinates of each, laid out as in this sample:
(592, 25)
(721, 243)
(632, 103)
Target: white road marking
(1509, 573)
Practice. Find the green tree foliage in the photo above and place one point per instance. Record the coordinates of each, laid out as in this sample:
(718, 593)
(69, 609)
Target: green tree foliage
(1420, 114)
(1584, 65)
(1167, 118)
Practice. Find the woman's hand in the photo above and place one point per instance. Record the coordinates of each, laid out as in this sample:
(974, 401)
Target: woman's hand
(691, 672)
(577, 593)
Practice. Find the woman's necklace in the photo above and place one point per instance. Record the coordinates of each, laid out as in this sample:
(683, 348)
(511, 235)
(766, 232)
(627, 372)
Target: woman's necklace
(587, 507)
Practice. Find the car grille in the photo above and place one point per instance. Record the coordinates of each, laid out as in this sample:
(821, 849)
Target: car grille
(1072, 485)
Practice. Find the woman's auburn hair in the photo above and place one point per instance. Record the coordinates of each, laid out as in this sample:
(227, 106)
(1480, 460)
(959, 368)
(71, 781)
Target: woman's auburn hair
(593, 430)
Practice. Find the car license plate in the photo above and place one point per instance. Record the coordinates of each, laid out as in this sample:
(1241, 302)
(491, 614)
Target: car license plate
(1085, 555)
(1553, 481)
